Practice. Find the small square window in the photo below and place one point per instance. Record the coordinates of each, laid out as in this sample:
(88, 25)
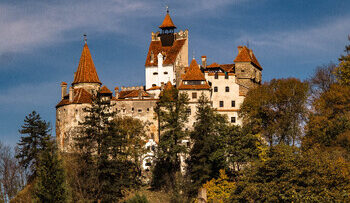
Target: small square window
(215, 89)
(194, 95)
(140, 110)
(147, 109)
(227, 89)
(132, 109)
(221, 103)
(233, 103)
(155, 73)
(188, 111)
(233, 119)
(165, 73)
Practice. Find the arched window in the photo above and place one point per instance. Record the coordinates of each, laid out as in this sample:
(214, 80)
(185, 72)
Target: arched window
(227, 89)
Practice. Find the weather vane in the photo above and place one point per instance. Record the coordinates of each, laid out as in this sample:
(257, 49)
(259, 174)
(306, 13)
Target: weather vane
(167, 9)
(193, 54)
(85, 38)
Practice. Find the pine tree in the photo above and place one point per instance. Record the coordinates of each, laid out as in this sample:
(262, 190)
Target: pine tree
(37, 133)
(50, 182)
(207, 154)
(171, 111)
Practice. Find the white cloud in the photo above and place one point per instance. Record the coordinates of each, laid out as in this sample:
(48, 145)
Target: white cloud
(34, 24)
(319, 38)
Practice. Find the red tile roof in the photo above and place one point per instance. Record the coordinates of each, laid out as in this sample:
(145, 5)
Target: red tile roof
(224, 67)
(170, 52)
(167, 23)
(244, 56)
(86, 72)
(213, 65)
(81, 96)
(132, 94)
(63, 83)
(154, 88)
(105, 90)
(168, 86)
(194, 87)
(193, 72)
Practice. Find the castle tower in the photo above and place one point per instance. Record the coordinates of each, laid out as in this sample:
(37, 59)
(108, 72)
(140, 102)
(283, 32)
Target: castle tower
(167, 55)
(69, 111)
(86, 76)
(247, 68)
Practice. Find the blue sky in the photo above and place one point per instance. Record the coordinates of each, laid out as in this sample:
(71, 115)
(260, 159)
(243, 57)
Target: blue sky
(41, 42)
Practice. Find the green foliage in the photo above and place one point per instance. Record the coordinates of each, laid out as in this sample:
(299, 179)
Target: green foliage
(50, 185)
(220, 189)
(276, 110)
(343, 70)
(171, 111)
(207, 156)
(290, 175)
(103, 151)
(37, 133)
(138, 199)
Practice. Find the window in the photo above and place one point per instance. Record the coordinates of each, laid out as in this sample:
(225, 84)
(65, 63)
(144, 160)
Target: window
(221, 103)
(155, 73)
(242, 70)
(147, 109)
(188, 111)
(153, 85)
(226, 75)
(215, 89)
(216, 76)
(132, 109)
(227, 89)
(165, 73)
(194, 95)
(233, 119)
(233, 103)
(140, 110)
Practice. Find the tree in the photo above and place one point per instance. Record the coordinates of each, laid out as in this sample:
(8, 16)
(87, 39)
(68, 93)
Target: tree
(37, 133)
(291, 175)
(220, 189)
(329, 123)
(11, 181)
(277, 110)
(207, 156)
(343, 69)
(171, 110)
(50, 183)
(322, 79)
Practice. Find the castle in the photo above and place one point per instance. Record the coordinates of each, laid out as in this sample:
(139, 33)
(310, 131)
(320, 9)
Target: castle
(166, 65)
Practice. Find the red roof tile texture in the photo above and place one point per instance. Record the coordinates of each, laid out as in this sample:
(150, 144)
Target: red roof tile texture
(132, 94)
(81, 96)
(193, 72)
(154, 88)
(170, 52)
(244, 56)
(86, 72)
(167, 23)
(105, 90)
(194, 87)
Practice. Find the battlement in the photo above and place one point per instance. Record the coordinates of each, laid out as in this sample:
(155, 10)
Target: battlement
(155, 36)
(132, 88)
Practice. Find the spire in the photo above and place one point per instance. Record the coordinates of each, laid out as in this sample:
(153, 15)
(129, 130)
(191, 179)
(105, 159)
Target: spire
(167, 22)
(193, 72)
(86, 72)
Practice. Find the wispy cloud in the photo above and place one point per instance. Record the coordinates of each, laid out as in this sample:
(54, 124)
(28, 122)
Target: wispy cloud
(37, 23)
(319, 38)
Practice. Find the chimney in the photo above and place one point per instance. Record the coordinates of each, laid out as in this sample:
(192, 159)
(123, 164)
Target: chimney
(160, 60)
(251, 53)
(239, 48)
(140, 94)
(71, 94)
(116, 90)
(152, 57)
(204, 61)
(63, 89)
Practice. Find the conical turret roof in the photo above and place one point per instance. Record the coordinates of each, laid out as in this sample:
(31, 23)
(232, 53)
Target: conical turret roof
(193, 72)
(86, 72)
(167, 23)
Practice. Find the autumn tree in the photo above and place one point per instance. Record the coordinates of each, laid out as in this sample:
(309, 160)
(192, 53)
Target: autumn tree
(322, 80)
(343, 69)
(36, 132)
(276, 109)
(171, 112)
(292, 175)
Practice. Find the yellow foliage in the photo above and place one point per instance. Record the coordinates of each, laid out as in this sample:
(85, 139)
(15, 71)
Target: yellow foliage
(262, 146)
(219, 190)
